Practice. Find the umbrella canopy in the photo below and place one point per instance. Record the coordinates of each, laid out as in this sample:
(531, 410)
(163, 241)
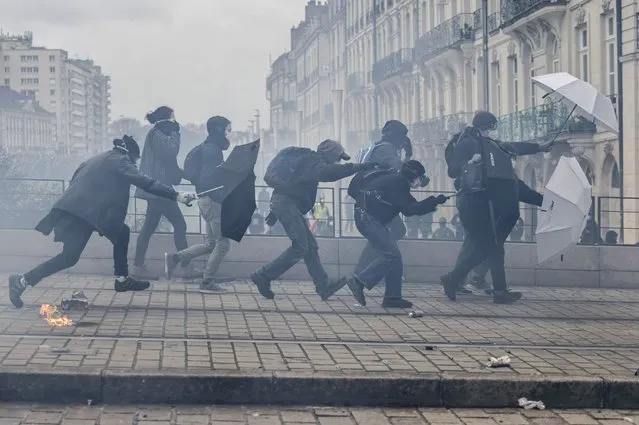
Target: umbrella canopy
(564, 213)
(573, 92)
(237, 195)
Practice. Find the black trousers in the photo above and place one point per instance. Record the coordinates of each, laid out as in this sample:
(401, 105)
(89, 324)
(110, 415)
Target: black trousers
(483, 240)
(155, 209)
(73, 245)
(369, 254)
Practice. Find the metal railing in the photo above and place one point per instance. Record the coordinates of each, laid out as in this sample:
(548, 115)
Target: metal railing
(397, 63)
(513, 10)
(446, 35)
(494, 22)
(540, 122)
(24, 202)
(356, 81)
(440, 129)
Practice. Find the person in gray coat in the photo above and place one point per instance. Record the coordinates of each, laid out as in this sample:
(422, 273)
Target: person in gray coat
(96, 201)
(159, 161)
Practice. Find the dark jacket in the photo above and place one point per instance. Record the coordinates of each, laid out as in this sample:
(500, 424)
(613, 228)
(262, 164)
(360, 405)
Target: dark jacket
(159, 156)
(99, 193)
(313, 170)
(394, 197)
(385, 153)
(499, 178)
(209, 156)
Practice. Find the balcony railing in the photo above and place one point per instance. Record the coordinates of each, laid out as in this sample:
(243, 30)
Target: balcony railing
(302, 84)
(289, 106)
(445, 36)
(513, 10)
(439, 129)
(356, 81)
(396, 63)
(541, 122)
(494, 22)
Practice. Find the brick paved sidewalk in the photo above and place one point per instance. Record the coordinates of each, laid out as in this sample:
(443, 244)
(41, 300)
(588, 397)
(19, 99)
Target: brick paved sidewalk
(11, 414)
(172, 328)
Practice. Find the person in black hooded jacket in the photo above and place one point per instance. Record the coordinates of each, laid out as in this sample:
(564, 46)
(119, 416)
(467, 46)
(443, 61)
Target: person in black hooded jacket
(96, 201)
(488, 202)
(201, 167)
(379, 199)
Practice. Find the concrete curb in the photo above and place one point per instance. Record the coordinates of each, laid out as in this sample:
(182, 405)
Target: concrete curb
(293, 388)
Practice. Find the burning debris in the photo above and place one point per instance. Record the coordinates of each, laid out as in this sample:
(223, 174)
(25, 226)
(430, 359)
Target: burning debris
(78, 301)
(53, 318)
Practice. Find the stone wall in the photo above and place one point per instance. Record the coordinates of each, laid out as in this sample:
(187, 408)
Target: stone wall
(424, 261)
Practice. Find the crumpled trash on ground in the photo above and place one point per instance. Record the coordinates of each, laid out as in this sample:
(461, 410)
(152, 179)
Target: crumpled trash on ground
(503, 361)
(530, 404)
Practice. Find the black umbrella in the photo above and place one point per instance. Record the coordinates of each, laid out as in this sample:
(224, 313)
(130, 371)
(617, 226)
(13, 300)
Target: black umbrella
(236, 191)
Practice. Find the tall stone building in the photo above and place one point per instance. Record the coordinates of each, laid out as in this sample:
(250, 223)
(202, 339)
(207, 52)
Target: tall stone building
(421, 61)
(77, 92)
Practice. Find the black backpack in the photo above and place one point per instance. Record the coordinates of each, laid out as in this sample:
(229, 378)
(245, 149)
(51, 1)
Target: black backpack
(454, 169)
(284, 168)
(363, 178)
(193, 165)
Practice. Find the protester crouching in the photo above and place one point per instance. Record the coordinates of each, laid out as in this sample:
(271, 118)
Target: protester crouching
(202, 168)
(96, 201)
(294, 174)
(388, 153)
(380, 196)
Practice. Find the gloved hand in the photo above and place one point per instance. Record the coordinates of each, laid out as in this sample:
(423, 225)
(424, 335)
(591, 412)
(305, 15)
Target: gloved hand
(441, 199)
(271, 219)
(186, 198)
(475, 159)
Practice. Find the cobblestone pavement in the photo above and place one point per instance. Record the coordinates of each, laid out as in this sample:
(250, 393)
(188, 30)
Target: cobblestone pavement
(269, 415)
(173, 326)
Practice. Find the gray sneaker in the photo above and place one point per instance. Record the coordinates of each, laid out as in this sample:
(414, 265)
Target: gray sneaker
(211, 288)
(472, 287)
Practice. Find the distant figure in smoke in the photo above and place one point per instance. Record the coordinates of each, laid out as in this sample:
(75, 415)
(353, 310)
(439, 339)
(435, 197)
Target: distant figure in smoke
(443, 233)
(159, 161)
(96, 201)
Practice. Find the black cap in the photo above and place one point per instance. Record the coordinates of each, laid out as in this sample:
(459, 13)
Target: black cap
(484, 120)
(333, 150)
(128, 145)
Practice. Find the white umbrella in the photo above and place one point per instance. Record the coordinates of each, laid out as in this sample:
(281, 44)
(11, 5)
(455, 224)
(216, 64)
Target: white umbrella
(580, 97)
(563, 215)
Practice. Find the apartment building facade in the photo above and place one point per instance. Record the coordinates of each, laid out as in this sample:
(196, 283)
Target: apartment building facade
(77, 92)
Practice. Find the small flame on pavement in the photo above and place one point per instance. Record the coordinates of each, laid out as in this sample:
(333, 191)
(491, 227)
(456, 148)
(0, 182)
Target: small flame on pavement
(49, 311)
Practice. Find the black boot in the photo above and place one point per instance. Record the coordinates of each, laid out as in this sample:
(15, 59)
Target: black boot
(392, 302)
(506, 297)
(357, 289)
(330, 288)
(17, 286)
(131, 284)
(263, 286)
(450, 287)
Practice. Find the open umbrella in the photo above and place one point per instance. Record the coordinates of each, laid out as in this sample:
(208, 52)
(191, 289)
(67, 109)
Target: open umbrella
(564, 213)
(579, 96)
(236, 190)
